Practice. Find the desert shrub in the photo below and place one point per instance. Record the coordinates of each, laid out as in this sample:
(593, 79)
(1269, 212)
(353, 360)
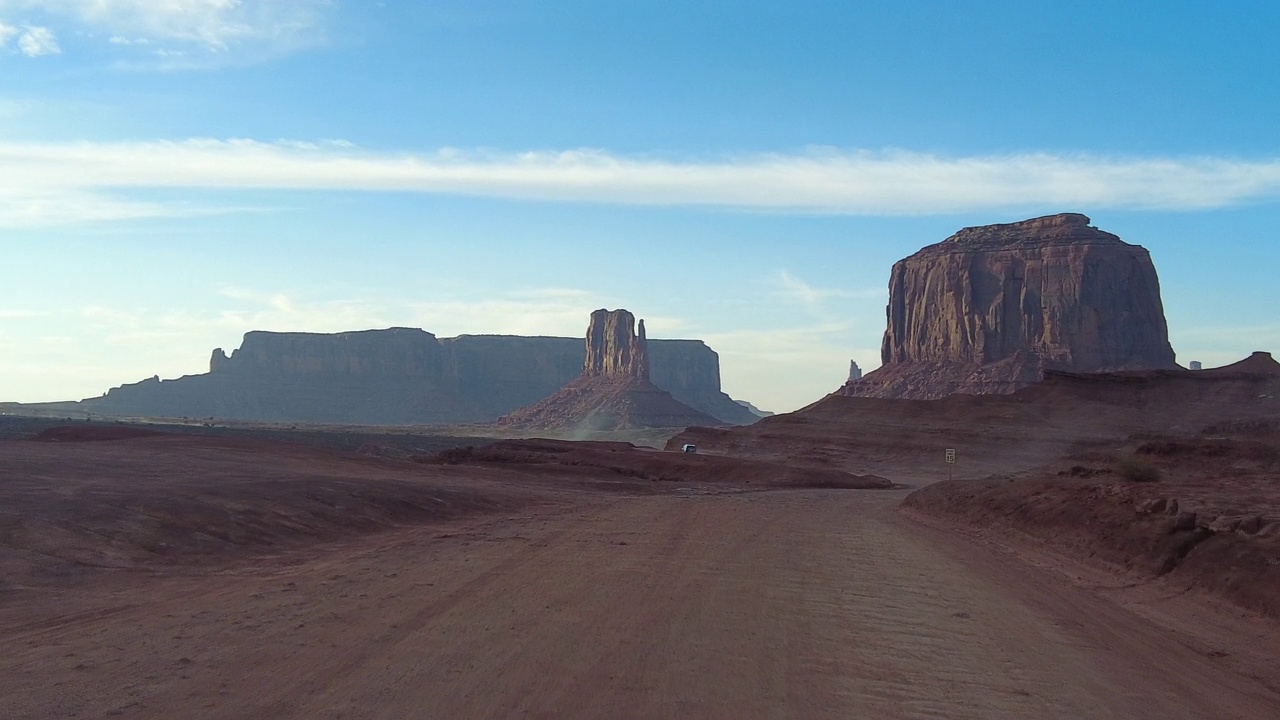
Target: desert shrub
(1260, 426)
(1141, 436)
(1081, 471)
(1267, 454)
(1137, 470)
(455, 456)
(1216, 448)
(1161, 448)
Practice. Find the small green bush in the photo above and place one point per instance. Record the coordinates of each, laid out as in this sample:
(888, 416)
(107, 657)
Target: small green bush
(1137, 470)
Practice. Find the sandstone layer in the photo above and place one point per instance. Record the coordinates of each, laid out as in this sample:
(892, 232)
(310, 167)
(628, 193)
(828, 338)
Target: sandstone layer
(991, 308)
(400, 376)
(614, 346)
(613, 392)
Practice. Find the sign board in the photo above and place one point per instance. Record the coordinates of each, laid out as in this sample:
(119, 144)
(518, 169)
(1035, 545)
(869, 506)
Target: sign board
(951, 456)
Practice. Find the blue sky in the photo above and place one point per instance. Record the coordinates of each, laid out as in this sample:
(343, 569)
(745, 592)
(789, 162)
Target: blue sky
(174, 174)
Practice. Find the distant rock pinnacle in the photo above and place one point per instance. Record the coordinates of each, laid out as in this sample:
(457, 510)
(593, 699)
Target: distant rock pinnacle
(614, 349)
(614, 391)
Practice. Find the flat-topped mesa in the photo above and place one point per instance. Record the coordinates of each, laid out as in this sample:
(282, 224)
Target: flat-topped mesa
(1063, 228)
(991, 307)
(409, 376)
(614, 348)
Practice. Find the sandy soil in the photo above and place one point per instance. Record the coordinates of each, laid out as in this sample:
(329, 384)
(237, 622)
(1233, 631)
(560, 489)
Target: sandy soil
(732, 605)
(1048, 462)
(343, 573)
(565, 595)
(1201, 512)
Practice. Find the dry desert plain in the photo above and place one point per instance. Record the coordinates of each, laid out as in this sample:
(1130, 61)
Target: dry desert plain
(153, 572)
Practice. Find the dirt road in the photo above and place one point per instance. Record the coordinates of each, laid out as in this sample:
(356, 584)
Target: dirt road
(802, 604)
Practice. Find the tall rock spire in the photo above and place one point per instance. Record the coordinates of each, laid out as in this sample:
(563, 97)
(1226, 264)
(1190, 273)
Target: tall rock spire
(614, 349)
(614, 391)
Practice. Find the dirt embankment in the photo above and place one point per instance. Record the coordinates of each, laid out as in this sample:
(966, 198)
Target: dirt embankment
(1002, 433)
(1202, 512)
(623, 464)
(79, 498)
(1133, 444)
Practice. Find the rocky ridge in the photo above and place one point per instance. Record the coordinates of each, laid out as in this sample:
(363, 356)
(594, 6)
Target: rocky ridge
(991, 308)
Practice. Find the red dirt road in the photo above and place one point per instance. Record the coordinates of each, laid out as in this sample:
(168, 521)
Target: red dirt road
(789, 603)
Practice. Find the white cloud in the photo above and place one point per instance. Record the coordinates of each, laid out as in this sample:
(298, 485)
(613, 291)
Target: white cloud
(37, 41)
(33, 40)
(214, 25)
(76, 180)
(797, 290)
(19, 208)
(521, 311)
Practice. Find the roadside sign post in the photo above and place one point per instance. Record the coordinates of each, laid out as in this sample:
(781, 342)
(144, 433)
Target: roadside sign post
(951, 460)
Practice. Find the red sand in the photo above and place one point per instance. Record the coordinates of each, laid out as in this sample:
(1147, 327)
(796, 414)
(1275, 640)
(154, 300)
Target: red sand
(191, 576)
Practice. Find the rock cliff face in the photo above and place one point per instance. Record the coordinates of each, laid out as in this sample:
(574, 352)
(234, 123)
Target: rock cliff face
(614, 347)
(400, 376)
(991, 308)
(613, 392)
(690, 371)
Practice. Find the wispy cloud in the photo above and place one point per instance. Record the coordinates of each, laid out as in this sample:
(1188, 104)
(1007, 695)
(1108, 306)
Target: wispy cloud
(33, 40)
(797, 290)
(46, 182)
(521, 311)
(156, 27)
(37, 41)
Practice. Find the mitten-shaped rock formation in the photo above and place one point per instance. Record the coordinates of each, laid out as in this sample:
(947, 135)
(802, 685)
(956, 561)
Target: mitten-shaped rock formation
(613, 392)
(614, 348)
(990, 308)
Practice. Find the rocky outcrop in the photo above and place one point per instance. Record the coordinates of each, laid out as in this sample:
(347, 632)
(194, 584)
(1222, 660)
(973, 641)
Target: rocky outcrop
(690, 371)
(613, 392)
(855, 372)
(614, 347)
(990, 308)
(755, 410)
(400, 376)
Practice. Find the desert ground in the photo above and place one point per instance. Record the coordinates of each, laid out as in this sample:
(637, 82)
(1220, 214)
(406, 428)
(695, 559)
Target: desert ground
(157, 574)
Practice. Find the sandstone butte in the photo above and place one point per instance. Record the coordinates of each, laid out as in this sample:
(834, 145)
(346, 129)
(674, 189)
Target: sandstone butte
(614, 391)
(991, 308)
